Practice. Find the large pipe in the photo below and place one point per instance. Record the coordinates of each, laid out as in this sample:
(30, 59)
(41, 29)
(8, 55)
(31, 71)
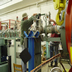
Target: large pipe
(49, 29)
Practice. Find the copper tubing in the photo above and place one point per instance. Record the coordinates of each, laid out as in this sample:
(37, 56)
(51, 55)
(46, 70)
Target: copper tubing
(54, 57)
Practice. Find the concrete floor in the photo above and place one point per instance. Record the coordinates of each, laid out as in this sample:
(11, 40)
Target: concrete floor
(46, 68)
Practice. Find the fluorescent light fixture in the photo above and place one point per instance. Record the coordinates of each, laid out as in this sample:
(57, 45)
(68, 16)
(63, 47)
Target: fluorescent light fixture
(9, 3)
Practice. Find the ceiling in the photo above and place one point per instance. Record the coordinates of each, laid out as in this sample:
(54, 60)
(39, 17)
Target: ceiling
(2, 2)
(18, 6)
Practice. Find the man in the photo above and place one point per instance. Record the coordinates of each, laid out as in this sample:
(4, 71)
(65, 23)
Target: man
(54, 46)
(25, 24)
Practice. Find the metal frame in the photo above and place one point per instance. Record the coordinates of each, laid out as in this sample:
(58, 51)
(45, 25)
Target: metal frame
(52, 39)
(14, 38)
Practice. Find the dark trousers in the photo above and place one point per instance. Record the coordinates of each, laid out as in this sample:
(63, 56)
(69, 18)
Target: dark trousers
(54, 48)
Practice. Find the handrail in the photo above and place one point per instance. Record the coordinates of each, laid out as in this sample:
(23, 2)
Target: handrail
(54, 57)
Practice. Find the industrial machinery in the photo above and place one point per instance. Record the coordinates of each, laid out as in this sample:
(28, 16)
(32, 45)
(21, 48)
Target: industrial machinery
(9, 34)
(9, 28)
(64, 27)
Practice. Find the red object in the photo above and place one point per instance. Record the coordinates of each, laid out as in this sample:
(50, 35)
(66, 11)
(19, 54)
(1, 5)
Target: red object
(17, 18)
(68, 27)
(70, 70)
(9, 21)
(54, 35)
(53, 24)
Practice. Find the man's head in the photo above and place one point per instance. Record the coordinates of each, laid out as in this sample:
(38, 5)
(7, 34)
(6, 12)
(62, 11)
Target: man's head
(25, 16)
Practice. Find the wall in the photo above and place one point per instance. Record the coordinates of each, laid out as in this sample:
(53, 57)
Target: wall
(41, 8)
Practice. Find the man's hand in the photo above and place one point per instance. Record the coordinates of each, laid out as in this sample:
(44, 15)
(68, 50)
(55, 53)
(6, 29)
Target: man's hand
(35, 14)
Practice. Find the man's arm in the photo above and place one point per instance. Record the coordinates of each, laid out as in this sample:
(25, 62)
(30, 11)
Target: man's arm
(30, 20)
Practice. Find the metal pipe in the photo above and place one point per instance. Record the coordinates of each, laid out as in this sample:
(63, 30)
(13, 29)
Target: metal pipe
(49, 29)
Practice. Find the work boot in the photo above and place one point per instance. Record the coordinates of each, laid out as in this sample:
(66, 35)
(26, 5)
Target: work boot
(51, 65)
(27, 69)
(56, 64)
